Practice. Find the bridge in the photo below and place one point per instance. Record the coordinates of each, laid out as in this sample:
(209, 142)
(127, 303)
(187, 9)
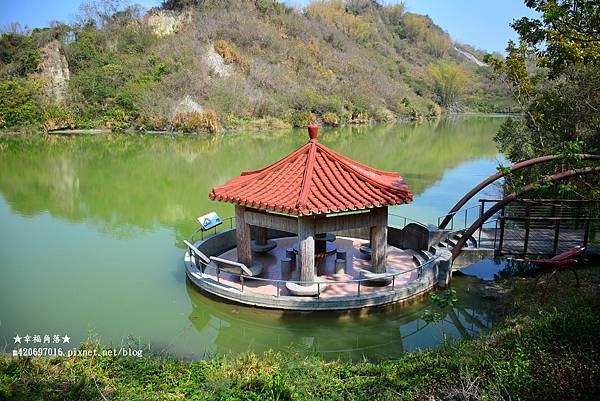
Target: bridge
(515, 225)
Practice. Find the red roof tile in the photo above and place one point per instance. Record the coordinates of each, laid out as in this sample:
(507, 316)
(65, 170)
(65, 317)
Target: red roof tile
(314, 180)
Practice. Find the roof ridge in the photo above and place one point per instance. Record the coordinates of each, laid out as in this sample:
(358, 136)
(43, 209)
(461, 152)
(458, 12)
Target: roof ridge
(314, 179)
(308, 172)
(351, 164)
(256, 174)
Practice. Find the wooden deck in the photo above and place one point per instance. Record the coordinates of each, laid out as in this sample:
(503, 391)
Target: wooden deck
(541, 241)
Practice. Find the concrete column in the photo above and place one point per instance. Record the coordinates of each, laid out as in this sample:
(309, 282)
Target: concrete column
(444, 268)
(261, 236)
(306, 254)
(379, 240)
(242, 237)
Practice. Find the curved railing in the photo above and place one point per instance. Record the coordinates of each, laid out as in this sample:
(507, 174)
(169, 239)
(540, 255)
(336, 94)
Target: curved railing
(406, 219)
(279, 282)
(502, 173)
(514, 195)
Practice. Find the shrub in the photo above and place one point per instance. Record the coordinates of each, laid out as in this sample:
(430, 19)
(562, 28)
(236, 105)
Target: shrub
(196, 122)
(270, 7)
(229, 97)
(55, 118)
(18, 103)
(334, 13)
(301, 118)
(331, 119)
(448, 82)
(434, 110)
(358, 117)
(383, 115)
(20, 51)
(152, 121)
(231, 55)
(117, 120)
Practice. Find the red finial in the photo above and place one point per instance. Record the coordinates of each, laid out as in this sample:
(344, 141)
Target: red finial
(313, 131)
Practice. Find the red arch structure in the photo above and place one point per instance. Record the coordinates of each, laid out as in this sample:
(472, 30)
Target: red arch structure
(500, 174)
(511, 197)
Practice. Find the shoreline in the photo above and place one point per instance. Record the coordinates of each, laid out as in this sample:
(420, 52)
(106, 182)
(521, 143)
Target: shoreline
(247, 128)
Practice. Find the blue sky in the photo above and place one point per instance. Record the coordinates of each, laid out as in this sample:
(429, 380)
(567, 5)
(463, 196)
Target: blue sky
(481, 23)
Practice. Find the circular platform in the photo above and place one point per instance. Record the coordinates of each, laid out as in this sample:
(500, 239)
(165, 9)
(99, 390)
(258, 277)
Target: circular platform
(283, 290)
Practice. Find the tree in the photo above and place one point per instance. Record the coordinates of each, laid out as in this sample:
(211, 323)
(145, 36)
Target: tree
(567, 33)
(448, 83)
(554, 74)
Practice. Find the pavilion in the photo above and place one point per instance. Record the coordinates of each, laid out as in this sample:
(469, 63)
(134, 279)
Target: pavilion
(313, 191)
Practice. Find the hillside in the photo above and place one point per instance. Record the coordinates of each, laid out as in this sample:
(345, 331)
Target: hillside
(203, 65)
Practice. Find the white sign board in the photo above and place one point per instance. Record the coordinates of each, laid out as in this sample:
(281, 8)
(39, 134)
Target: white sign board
(209, 221)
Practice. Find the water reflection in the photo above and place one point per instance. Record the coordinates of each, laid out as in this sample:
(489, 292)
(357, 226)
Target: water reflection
(375, 333)
(107, 215)
(124, 184)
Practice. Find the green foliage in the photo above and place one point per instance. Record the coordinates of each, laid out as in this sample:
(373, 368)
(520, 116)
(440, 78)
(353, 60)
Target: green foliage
(331, 119)
(180, 4)
(554, 74)
(353, 59)
(566, 33)
(196, 122)
(538, 353)
(449, 83)
(19, 105)
(117, 120)
(442, 304)
(20, 52)
(55, 118)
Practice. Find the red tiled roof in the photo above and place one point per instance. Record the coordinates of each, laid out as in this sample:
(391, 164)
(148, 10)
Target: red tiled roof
(314, 180)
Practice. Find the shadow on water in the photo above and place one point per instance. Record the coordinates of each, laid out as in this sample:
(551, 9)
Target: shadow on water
(374, 333)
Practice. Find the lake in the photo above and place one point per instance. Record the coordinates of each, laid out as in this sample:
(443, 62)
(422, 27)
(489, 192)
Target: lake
(91, 231)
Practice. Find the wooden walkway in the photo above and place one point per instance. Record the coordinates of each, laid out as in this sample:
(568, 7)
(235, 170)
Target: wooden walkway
(541, 241)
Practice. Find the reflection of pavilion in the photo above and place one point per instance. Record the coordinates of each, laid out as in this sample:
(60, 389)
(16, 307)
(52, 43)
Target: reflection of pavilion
(227, 329)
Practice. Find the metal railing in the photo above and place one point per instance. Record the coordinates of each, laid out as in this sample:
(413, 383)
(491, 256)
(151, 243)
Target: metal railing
(320, 283)
(228, 222)
(458, 213)
(405, 219)
(538, 243)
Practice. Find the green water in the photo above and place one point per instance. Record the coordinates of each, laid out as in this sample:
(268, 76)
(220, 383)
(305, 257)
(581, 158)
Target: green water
(91, 231)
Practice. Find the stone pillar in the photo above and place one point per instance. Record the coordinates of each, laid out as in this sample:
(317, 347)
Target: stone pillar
(242, 237)
(379, 240)
(306, 247)
(444, 268)
(261, 236)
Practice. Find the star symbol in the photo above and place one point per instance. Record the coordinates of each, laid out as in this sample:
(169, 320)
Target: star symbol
(17, 339)
(66, 339)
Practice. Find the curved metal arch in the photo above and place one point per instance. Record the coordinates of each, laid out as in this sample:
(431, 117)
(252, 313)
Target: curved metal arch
(500, 174)
(509, 198)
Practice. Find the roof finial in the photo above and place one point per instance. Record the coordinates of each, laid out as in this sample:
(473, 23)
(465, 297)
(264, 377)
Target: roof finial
(313, 131)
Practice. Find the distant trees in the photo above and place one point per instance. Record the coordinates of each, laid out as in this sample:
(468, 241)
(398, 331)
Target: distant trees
(448, 82)
(422, 32)
(179, 4)
(554, 74)
(334, 13)
(338, 61)
(558, 93)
